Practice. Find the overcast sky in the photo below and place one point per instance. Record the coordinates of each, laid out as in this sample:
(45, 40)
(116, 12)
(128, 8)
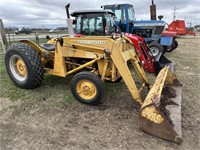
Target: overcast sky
(51, 13)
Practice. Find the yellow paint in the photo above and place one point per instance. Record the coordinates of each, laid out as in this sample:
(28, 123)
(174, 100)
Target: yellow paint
(34, 46)
(83, 66)
(86, 89)
(114, 72)
(111, 57)
(104, 69)
(155, 92)
(152, 114)
(78, 53)
(21, 67)
(148, 109)
(120, 58)
(59, 62)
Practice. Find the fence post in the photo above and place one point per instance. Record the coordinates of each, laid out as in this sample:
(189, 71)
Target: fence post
(4, 41)
(37, 38)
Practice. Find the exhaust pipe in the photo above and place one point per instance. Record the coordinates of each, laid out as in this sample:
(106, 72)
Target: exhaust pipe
(69, 22)
(67, 10)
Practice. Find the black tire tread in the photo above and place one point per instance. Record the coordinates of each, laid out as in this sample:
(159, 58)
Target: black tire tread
(156, 44)
(92, 77)
(175, 44)
(35, 70)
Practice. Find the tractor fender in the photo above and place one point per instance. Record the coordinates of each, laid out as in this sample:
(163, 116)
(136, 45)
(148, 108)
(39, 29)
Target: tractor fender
(166, 40)
(33, 45)
(43, 55)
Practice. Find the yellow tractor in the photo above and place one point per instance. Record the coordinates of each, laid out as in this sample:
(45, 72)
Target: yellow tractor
(94, 60)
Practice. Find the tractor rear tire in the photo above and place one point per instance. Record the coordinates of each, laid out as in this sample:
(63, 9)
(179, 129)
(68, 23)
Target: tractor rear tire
(175, 44)
(87, 87)
(24, 66)
(155, 48)
(173, 47)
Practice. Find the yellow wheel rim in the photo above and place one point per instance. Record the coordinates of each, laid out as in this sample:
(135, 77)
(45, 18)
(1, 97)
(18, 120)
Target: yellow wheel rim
(21, 67)
(86, 89)
(18, 68)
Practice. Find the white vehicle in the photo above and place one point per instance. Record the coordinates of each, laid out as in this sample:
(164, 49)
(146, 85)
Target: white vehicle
(54, 30)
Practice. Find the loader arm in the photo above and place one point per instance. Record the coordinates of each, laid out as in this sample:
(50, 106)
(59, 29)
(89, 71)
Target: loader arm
(120, 59)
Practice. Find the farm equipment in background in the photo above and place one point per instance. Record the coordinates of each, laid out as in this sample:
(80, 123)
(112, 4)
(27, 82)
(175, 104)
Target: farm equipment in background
(23, 30)
(150, 63)
(95, 59)
(150, 30)
(179, 27)
(96, 22)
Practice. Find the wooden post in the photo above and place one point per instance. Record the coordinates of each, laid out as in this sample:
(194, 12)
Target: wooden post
(4, 41)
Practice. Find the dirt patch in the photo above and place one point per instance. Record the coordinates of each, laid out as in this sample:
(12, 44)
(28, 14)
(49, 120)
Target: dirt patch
(4, 103)
(109, 125)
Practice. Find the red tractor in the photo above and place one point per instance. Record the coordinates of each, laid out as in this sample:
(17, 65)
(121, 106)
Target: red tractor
(150, 63)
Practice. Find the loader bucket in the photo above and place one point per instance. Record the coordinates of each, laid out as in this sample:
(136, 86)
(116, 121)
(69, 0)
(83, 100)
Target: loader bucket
(161, 61)
(160, 114)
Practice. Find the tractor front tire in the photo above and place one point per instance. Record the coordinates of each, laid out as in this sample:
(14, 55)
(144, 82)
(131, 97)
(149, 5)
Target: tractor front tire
(155, 48)
(87, 87)
(24, 66)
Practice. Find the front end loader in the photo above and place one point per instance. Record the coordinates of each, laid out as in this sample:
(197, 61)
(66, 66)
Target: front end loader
(94, 59)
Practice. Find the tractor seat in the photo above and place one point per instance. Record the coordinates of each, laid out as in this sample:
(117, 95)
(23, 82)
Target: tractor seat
(48, 47)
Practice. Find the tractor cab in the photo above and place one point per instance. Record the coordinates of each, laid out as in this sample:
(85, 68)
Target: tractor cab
(126, 21)
(125, 16)
(94, 22)
(150, 30)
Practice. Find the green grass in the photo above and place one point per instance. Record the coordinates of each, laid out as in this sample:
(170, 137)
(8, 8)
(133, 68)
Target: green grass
(54, 90)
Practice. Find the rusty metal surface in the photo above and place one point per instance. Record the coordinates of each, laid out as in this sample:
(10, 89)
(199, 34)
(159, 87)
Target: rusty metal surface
(175, 111)
(167, 130)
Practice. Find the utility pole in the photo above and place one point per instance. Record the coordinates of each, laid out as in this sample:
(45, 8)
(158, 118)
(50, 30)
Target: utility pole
(174, 13)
